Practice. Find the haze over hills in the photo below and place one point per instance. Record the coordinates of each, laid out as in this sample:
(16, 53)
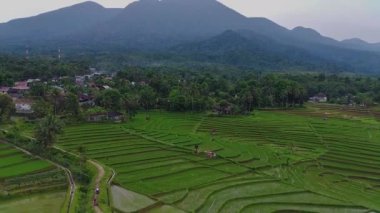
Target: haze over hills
(174, 26)
(239, 48)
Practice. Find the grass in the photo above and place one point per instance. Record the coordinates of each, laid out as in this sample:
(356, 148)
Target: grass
(318, 159)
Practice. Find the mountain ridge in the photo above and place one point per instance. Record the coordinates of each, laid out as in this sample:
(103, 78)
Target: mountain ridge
(57, 23)
(165, 25)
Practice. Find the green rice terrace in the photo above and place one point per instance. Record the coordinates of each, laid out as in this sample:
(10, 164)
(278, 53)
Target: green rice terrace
(310, 160)
(28, 184)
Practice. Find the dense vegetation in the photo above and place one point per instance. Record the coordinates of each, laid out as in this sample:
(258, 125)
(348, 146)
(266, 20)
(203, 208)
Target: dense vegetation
(225, 90)
(192, 90)
(16, 68)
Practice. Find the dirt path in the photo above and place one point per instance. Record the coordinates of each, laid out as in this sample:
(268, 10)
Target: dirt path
(99, 176)
(98, 179)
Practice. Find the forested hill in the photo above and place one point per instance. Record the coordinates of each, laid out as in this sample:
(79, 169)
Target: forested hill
(172, 31)
(252, 50)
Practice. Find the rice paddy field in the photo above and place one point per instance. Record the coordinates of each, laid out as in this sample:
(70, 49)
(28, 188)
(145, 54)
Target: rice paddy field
(28, 184)
(273, 161)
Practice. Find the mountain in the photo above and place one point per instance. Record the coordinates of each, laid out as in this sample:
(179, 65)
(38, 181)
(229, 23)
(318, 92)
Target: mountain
(185, 27)
(185, 18)
(147, 23)
(311, 35)
(57, 24)
(252, 50)
(356, 43)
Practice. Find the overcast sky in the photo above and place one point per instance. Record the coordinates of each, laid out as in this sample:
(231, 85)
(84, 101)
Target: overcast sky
(339, 19)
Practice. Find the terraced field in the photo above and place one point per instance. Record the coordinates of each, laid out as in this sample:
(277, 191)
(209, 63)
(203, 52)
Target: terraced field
(268, 162)
(23, 177)
(339, 111)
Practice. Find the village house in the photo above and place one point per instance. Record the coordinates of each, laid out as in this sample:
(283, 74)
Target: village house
(105, 87)
(79, 80)
(97, 117)
(105, 116)
(21, 85)
(115, 116)
(23, 106)
(19, 90)
(223, 109)
(60, 89)
(319, 98)
(4, 90)
(30, 82)
(86, 100)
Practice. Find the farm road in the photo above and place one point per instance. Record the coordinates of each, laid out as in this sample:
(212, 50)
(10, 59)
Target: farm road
(98, 179)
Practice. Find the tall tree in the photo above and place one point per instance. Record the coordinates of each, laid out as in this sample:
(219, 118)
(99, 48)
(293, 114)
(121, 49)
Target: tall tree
(42, 108)
(47, 130)
(147, 97)
(56, 97)
(131, 104)
(7, 107)
(72, 104)
(110, 99)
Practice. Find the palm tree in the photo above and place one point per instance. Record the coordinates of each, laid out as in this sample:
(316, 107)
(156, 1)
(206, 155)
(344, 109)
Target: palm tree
(55, 96)
(47, 130)
(131, 104)
(147, 99)
(193, 92)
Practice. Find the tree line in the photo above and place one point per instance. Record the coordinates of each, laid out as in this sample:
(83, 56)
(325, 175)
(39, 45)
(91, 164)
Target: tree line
(16, 68)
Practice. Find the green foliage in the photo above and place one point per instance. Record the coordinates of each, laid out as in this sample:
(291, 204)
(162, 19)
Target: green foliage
(38, 90)
(7, 107)
(110, 99)
(147, 97)
(196, 91)
(47, 130)
(131, 104)
(177, 101)
(15, 68)
(72, 105)
(42, 108)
